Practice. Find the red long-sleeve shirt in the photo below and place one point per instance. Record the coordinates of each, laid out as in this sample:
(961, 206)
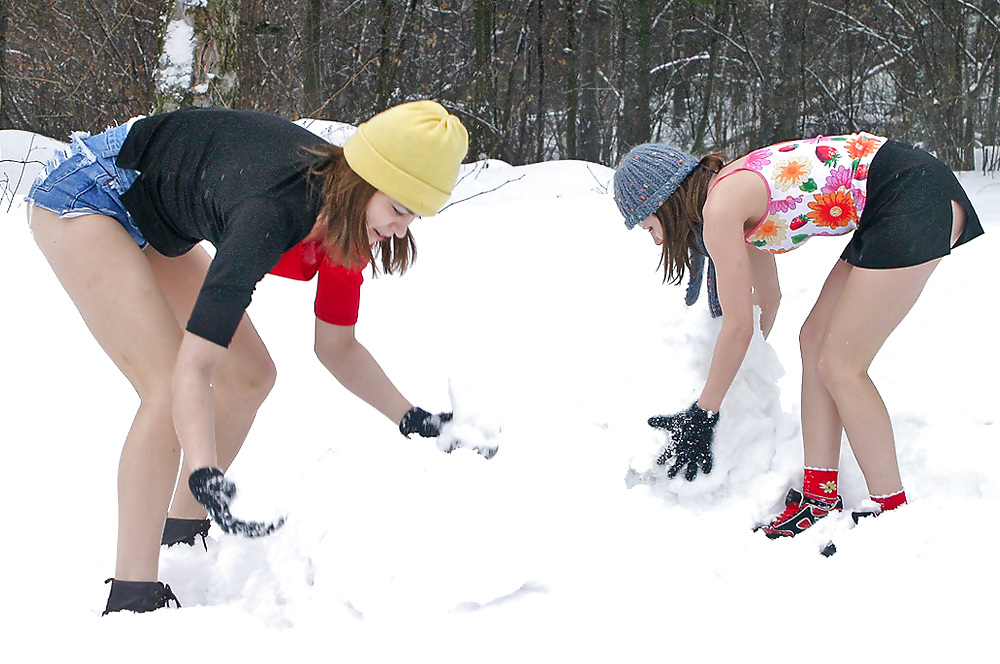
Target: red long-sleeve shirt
(338, 290)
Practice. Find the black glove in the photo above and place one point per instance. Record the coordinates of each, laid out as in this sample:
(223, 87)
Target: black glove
(214, 492)
(418, 420)
(691, 434)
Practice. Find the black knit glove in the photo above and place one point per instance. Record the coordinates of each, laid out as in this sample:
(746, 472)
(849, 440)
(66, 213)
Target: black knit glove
(214, 492)
(691, 434)
(419, 421)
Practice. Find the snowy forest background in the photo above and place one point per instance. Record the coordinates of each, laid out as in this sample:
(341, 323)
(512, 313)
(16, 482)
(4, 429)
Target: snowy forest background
(534, 80)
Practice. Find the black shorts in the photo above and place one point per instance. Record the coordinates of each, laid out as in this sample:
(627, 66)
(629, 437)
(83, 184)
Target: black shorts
(908, 217)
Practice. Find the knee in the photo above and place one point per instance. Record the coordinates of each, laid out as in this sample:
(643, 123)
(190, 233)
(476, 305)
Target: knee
(260, 380)
(266, 378)
(155, 394)
(836, 372)
(810, 341)
(247, 380)
(823, 357)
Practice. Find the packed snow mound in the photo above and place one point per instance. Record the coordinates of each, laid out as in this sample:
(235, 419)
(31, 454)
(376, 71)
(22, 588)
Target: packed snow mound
(756, 444)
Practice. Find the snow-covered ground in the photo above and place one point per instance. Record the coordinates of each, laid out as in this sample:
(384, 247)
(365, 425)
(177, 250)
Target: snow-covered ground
(532, 311)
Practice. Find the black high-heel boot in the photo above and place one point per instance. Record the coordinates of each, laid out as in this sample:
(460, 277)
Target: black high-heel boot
(139, 596)
(184, 531)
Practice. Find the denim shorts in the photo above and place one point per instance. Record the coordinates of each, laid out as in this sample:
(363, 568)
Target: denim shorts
(85, 180)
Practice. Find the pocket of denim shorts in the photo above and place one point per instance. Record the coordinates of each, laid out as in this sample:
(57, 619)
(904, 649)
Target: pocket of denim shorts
(67, 175)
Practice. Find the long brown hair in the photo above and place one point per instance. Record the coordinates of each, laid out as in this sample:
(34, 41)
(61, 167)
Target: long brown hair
(342, 225)
(681, 218)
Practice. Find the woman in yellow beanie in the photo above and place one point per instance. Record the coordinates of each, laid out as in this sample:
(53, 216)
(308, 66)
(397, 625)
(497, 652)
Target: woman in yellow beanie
(119, 218)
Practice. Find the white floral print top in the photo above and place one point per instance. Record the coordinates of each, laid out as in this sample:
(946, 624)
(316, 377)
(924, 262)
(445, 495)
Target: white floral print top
(816, 186)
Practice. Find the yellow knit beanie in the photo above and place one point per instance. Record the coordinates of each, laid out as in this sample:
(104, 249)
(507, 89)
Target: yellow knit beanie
(410, 152)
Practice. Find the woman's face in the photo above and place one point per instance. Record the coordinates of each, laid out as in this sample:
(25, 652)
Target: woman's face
(655, 228)
(386, 217)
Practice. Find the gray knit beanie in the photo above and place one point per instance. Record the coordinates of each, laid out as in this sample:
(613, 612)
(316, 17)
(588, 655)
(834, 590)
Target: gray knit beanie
(646, 177)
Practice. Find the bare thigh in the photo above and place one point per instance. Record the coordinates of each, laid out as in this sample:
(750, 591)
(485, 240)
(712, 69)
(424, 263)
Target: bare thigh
(871, 305)
(180, 280)
(112, 285)
(814, 329)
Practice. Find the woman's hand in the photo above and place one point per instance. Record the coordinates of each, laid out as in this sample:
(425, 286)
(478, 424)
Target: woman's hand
(215, 493)
(426, 425)
(692, 433)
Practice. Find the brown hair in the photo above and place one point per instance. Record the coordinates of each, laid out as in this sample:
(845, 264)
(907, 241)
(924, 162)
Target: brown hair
(342, 224)
(681, 218)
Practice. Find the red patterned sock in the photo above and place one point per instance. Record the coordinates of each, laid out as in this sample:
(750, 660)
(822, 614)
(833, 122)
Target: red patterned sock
(821, 484)
(890, 501)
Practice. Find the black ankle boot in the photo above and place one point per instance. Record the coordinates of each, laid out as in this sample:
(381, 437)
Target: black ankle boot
(184, 531)
(139, 596)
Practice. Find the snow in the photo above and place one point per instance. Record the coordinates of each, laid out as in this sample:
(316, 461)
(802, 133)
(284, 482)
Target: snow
(544, 323)
(177, 59)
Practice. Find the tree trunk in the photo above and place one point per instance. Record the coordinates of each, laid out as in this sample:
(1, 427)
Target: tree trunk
(172, 91)
(5, 121)
(483, 137)
(779, 105)
(636, 32)
(216, 47)
(715, 50)
(572, 75)
(541, 35)
(312, 93)
(382, 89)
(991, 151)
(589, 129)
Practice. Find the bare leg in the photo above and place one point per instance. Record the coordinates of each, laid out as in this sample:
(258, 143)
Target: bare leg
(861, 307)
(822, 427)
(110, 282)
(856, 312)
(872, 304)
(241, 381)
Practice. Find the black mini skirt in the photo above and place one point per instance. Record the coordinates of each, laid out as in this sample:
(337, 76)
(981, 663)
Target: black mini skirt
(907, 218)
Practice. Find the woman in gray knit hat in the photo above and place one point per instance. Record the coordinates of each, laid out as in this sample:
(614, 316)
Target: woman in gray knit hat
(906, 210)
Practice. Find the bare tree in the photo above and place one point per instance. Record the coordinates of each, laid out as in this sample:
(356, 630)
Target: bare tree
(79, 65)
(598, 101)
(532, 79)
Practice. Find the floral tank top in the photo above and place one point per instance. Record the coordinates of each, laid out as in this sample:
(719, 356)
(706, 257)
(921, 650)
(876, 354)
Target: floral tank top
(816, 186)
